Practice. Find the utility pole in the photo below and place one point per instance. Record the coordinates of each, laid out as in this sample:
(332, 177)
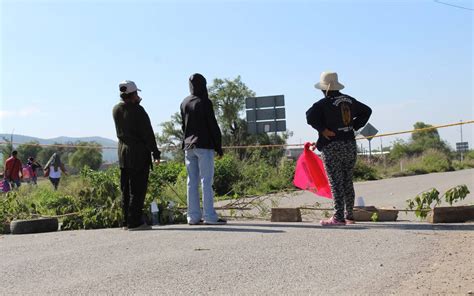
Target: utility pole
(382, 154)
(11, 141)
(370, 150)
(462, 153)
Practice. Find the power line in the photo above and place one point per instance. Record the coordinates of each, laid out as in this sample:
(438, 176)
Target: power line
(247, 146)
(453, 5)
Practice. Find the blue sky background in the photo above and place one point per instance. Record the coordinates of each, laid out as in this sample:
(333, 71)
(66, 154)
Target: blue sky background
(61, 61)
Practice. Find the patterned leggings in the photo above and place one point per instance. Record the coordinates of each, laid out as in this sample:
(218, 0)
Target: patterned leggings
(339, 160)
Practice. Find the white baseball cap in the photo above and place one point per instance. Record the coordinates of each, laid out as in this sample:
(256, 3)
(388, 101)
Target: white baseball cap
(128, 86)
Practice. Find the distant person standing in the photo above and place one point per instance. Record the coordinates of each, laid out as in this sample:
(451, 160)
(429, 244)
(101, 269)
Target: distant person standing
(53, 169)
(202, 137)
(336, 117)
(137, 145)
(33, 166)
(13, 170)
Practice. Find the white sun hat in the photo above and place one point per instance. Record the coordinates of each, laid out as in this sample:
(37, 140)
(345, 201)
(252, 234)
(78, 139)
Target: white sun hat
(128, 86)
(329, 81)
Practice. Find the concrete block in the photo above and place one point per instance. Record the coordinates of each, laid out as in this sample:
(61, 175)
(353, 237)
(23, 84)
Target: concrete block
(286, 215)
(451, 214)
(365, 214)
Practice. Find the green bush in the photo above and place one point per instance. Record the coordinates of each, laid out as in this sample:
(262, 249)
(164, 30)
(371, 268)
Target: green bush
(226, 174)
(400, 150)
(258, 177)
(466, 164)
(470, 155)
(176, 192)
(430, 162)
(282, 176)
(163, 176)
(98, 203)
(362, 171)
(14, 206)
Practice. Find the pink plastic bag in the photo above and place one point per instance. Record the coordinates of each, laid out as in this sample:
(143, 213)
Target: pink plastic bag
(310, 174)
(5, 185)
(27, 172)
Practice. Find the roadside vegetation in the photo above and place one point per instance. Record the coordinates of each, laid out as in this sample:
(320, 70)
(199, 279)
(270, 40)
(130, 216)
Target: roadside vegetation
(90, 198)
(425, 152)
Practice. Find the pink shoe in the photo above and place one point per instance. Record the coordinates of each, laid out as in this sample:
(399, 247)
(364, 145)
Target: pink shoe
(350, 221)
(332, 222)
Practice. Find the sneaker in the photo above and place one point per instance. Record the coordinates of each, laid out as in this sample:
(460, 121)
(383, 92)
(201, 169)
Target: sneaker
(332, 222)
(144, 226)
(219, 221)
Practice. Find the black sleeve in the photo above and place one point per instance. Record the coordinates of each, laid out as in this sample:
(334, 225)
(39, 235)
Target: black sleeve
(315, 117)
(214, 128)
(183, 125)
(148, 135)
(361, 115)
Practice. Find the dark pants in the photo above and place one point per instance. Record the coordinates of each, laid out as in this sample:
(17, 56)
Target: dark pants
(55, 182)
(133, 184)
(339, 160)
(15, 184)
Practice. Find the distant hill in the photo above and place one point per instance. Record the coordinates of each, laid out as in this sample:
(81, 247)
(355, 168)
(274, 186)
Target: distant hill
(109, 155)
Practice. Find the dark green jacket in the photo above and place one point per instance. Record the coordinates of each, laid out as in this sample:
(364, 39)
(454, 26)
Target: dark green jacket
(136, 138)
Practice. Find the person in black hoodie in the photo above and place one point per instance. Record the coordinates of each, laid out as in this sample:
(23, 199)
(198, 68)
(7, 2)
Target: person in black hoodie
(336, 117)
(136, 147)
(202, 137)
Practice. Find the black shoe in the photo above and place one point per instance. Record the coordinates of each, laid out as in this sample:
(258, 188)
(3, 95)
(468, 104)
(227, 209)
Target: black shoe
(144, 226)
(219, 221)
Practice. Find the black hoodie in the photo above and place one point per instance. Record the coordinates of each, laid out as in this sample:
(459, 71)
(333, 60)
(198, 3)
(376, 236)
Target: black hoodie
(199, 123)
(339, 113)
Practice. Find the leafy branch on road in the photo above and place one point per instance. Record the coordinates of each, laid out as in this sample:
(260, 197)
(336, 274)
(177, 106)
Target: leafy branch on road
(426, 201)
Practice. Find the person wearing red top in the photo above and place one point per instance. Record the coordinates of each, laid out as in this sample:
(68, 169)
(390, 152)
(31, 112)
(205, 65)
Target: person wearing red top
(13, 170)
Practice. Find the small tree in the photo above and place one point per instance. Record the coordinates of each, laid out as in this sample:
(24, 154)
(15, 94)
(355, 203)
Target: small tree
(171, 136)
(420, 142)
(64, 151)
(228, 97)
(86, 156)
(427, 200)
(29, 149)
(6, 149)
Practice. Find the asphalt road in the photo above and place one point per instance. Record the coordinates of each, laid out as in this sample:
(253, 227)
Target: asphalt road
(247, 257)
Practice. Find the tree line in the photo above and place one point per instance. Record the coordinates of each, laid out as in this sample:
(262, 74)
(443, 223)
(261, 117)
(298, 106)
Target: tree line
(75, 157)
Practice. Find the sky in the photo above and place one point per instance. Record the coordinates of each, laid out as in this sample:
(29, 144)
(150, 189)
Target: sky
(61, 61)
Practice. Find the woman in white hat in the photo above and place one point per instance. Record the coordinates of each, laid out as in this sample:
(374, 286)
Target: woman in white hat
(336, 117)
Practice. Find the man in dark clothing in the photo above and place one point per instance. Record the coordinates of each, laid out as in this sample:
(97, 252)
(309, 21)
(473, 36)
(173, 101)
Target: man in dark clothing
(136, 146)
(13, 170)
(336, 117)
(202, 137)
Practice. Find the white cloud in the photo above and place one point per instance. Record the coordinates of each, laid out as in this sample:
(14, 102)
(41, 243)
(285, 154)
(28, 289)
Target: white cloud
(20, 113)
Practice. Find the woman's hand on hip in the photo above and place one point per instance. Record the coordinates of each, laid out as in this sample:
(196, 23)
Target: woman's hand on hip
(328, 133)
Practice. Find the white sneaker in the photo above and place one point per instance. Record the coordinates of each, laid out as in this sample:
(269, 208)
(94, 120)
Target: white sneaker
(190, 222)
(219, 221)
